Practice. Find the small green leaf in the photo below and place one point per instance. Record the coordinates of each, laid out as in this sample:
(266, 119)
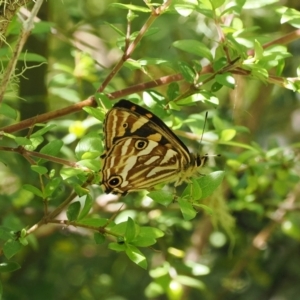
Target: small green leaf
(90, 143)
(95, 112)
(136, 256)
(23, 241)
(130, 232)
(99, 238)
(209, 183)
(33, 189)
(220, 63)
(22, 141)
(216, 86)
(88, 203)
(95, 222)
(204, 207)
(73, 211)
(11, 247)
(119, 229)
(185, 9)
(42, 131)
(52, 148)
(147, 237)
(259, 50)
(228, 134)
(9, 266)
(187, 209)
(79, 190)
(162, 197)
(5, 233)
(131, 7)
(39, 169)
(192, 191)
(194, 47)
(91, 164)
(116, 29)
(70, 172)
(8, 111)
(117, 247)
(187, 72)
(52, 186)
(226, 79)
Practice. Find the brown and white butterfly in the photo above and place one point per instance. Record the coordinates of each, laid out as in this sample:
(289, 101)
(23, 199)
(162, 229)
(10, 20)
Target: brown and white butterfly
(142, 152)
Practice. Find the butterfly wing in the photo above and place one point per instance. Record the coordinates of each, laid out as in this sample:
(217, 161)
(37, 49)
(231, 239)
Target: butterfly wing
(128, 166)
(126, 119)
(136, 164)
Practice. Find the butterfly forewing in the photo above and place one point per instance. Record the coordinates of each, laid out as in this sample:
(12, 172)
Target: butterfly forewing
(141, 151)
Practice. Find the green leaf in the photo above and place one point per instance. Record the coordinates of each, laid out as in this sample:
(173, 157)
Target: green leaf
(39, 169)
(185, 9)
(9, 266)
(119, 229)
(90, 146)
(258, 50)
(226, 79)
(187, 72)
(194, 47)
(220, 63)
(88, 203)
(116, 29)
(95, 112)
(95, 222)
(162, 197)
(99, 238)
(228, 134)
(5, 233)
(52, 186)
(22, 141)
(204, 207)
(131, 231)
(33, 189)
(73, 211)
(216, 86)
(136, 256)
(147, 236)
(52, 148)
(91, 164)
(209, 183)
(191, 282)
(117, 247)
(8, 111)
(42, 131)
(187, 209)
(131, 7)
(71, 172)
(192, 191)
(11, 247)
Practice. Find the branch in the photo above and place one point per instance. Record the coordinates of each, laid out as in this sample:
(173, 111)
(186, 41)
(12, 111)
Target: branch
(155, 13)
(25, 32)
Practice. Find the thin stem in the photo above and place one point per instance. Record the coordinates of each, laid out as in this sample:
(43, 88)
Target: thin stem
(25, 32)
(27, 154)
(129, 50)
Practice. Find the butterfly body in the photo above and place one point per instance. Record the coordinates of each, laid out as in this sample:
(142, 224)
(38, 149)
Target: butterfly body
(142, 152)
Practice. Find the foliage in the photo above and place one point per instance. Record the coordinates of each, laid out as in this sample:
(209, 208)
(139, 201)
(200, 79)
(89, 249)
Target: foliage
(232, 232)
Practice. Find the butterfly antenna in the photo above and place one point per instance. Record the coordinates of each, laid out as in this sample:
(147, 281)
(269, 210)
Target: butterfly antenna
(206, 156)
(206, 115)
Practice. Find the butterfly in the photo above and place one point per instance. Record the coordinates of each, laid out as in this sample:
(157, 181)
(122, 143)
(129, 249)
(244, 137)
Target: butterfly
(141, 151)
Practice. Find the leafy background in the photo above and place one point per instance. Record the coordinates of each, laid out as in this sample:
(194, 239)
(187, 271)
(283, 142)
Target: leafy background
(244, 241)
